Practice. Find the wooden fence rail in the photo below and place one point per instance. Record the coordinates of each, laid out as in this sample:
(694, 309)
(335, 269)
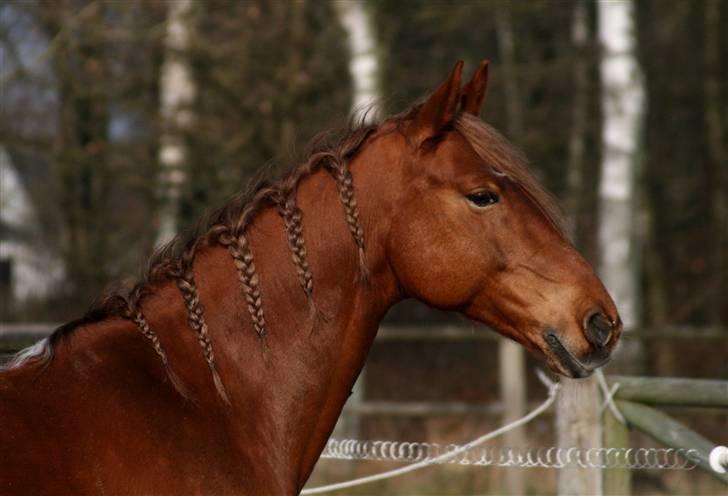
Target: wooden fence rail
(672, 391)
(669, 432)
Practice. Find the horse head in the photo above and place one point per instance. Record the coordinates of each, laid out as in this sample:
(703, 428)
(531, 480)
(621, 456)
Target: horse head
(470, 230)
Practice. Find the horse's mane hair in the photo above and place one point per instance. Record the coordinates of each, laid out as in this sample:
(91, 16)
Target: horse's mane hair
(227, 226)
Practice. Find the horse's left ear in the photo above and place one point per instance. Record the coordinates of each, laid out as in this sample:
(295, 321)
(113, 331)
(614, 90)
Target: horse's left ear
(440, 108)
(474, 92)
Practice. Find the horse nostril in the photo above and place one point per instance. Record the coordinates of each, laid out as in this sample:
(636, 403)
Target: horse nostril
(598, 328)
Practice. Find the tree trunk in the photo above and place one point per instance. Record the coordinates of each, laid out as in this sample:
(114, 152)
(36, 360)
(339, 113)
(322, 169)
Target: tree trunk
(177, 92)
(580, 37)
(82, 157)
(714, 123)
(622, 107)
(364, 63)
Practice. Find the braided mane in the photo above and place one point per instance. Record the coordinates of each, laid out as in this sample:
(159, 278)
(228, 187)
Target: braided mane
(227, 227)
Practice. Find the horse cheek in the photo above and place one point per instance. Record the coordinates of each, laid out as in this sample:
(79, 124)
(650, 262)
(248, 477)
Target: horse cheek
(435, 265)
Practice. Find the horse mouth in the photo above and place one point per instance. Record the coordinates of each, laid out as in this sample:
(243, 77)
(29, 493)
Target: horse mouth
(569, 365)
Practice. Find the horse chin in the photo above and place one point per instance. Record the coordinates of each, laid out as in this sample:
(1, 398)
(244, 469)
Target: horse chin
(562, 361)
(549, 349)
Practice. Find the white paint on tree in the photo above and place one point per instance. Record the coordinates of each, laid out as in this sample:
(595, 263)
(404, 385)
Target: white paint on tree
(177, 92)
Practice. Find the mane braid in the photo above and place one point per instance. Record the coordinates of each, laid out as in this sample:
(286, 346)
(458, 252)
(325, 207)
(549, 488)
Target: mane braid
(143, 326)
(345, 185)
(196, 317)
(293, 220)
(339, 168)
(239, 249)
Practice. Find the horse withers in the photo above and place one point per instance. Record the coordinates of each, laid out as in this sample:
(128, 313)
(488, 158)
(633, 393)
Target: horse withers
(224, 370)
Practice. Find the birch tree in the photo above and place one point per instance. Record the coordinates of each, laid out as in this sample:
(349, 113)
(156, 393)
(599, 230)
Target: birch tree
(363, 66)
(622, 109)
(363, 63)
(177, 91)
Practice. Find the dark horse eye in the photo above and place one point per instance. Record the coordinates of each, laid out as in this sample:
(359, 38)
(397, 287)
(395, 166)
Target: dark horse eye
(482, 198)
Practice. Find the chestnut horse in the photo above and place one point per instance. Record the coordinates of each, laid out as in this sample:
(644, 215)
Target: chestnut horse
(225, 369)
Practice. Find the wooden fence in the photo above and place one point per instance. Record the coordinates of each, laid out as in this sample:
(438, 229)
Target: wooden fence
(636, 398)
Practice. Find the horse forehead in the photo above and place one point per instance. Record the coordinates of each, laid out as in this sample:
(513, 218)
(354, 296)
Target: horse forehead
(455, 158)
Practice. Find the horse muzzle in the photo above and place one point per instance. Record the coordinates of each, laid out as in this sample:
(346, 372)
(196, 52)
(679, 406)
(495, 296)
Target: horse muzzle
(567, 362)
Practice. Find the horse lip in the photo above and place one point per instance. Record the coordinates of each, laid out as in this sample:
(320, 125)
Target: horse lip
(565, 358)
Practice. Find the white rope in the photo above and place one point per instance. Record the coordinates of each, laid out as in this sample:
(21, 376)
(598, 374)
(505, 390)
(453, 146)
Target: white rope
(499, 456)
(552, 390)
(609, 396)
(637, 458)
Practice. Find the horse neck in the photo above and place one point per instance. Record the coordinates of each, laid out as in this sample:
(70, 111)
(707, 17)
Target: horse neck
(301, 371)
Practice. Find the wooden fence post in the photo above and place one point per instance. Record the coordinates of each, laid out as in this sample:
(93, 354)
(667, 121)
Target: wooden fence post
(578, 425)
(512, 372)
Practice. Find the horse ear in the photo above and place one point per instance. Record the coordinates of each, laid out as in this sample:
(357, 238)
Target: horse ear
(440, 108)
(474, 92)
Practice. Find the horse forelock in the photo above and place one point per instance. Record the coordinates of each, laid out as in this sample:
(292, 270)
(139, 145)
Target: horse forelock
(506, 160)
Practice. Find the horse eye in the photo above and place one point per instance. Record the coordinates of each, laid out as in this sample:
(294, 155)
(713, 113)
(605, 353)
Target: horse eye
(482, 198)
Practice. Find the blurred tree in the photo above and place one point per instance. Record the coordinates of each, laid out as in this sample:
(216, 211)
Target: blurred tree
(436, 34)
(684, 177)
(177, 93)
(87, 138)
(269, 76)
(86, 106)
(715, 122)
